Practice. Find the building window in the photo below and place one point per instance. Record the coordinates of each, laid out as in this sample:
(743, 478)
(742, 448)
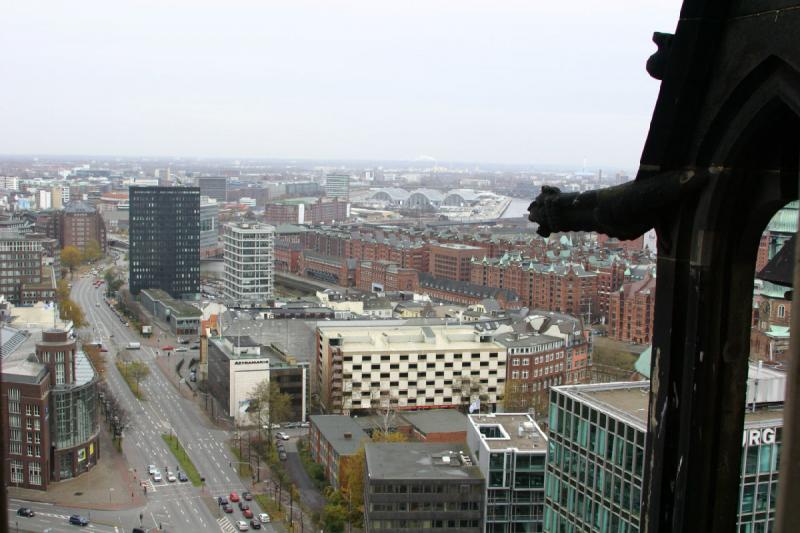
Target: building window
(13, 407)
(16, 472)
(515, 361)
(781, 311)
(35, 473)
(14, 421)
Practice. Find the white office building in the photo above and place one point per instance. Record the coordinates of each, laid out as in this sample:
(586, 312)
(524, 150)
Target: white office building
(248, 251)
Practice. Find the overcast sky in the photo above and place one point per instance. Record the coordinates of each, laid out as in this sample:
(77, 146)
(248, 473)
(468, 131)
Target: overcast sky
(533, 81)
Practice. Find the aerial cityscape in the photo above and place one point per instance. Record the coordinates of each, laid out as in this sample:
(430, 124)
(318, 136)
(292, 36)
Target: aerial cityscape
(337, 342)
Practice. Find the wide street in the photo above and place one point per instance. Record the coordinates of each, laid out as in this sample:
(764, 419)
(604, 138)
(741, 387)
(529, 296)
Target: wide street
(171, 506)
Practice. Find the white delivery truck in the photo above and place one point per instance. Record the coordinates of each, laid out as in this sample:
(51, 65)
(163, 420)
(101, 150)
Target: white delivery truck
(134, 345)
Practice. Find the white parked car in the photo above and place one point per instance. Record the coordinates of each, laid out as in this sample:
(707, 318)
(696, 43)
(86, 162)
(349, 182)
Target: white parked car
(263, 518)
(241, 525)
(151, 469)
(157, 477)
(171, 477)
(281, 435)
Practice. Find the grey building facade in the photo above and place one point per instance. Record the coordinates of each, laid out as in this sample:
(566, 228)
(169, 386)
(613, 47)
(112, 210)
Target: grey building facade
(165, 240)
(422, 487)
(215, 187)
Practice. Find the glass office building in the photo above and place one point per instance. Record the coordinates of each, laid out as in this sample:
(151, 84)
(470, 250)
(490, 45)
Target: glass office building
(510, 451)
(596, 457)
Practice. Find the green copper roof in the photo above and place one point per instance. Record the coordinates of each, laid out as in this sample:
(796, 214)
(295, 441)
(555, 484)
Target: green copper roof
(642, 365)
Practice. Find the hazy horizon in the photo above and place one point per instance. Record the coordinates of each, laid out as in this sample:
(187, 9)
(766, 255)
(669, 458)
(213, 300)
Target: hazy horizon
(469, 82)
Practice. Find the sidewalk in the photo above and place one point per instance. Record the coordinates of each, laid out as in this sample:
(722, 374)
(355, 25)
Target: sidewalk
(109, 486)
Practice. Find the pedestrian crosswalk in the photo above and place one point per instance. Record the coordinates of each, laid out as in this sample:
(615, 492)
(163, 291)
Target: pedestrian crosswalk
(225, 525)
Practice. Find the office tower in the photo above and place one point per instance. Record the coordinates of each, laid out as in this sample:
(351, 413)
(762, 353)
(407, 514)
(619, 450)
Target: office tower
(510, 450)
(337, 186)
(215, 187)
(165, 240)
(248, 251)
(209, 232)
(596, 456)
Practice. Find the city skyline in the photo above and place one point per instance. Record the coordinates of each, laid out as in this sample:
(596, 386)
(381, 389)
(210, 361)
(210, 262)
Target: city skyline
(449, 82)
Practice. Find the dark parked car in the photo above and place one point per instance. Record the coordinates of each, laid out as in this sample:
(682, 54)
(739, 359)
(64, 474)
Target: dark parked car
(182, 477)
(227, 508)
(247, 496)
(78, 520)
(255, 524)
(25, 511)
(222, 500)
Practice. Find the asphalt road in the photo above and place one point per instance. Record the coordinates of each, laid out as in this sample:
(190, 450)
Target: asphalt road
(175, 506)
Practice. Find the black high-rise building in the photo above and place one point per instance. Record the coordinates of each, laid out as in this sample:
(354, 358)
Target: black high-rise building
(165, 240)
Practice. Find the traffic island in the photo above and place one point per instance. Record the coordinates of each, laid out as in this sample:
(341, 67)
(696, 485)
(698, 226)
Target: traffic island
(133, 372)
(187, 466)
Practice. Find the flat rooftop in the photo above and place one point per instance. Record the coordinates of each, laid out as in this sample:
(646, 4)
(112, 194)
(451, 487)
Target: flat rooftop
(436, 420)
(379, 337)
(628, 401)
(519, 431)
(457, 246)
(181, 309)
(335, 428)
(419, 460)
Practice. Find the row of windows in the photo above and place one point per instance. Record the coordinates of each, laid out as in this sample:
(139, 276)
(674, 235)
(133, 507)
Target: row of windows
(537, 372)
(424, 506)
(423, 488)
(423, 524)
(525, 361)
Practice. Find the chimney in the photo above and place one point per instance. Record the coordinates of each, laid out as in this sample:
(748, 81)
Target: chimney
(348, 435)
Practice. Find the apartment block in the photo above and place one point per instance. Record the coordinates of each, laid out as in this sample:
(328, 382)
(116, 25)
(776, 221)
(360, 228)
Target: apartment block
(535, 363)
(334, 440)
(248, 252)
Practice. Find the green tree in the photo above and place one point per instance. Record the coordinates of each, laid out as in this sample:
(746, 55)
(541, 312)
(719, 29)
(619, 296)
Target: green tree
(71, 257)
(138, 371)
(92, 251)
(268, 405)
(62, 290)
(113, 281)
(70, 310)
